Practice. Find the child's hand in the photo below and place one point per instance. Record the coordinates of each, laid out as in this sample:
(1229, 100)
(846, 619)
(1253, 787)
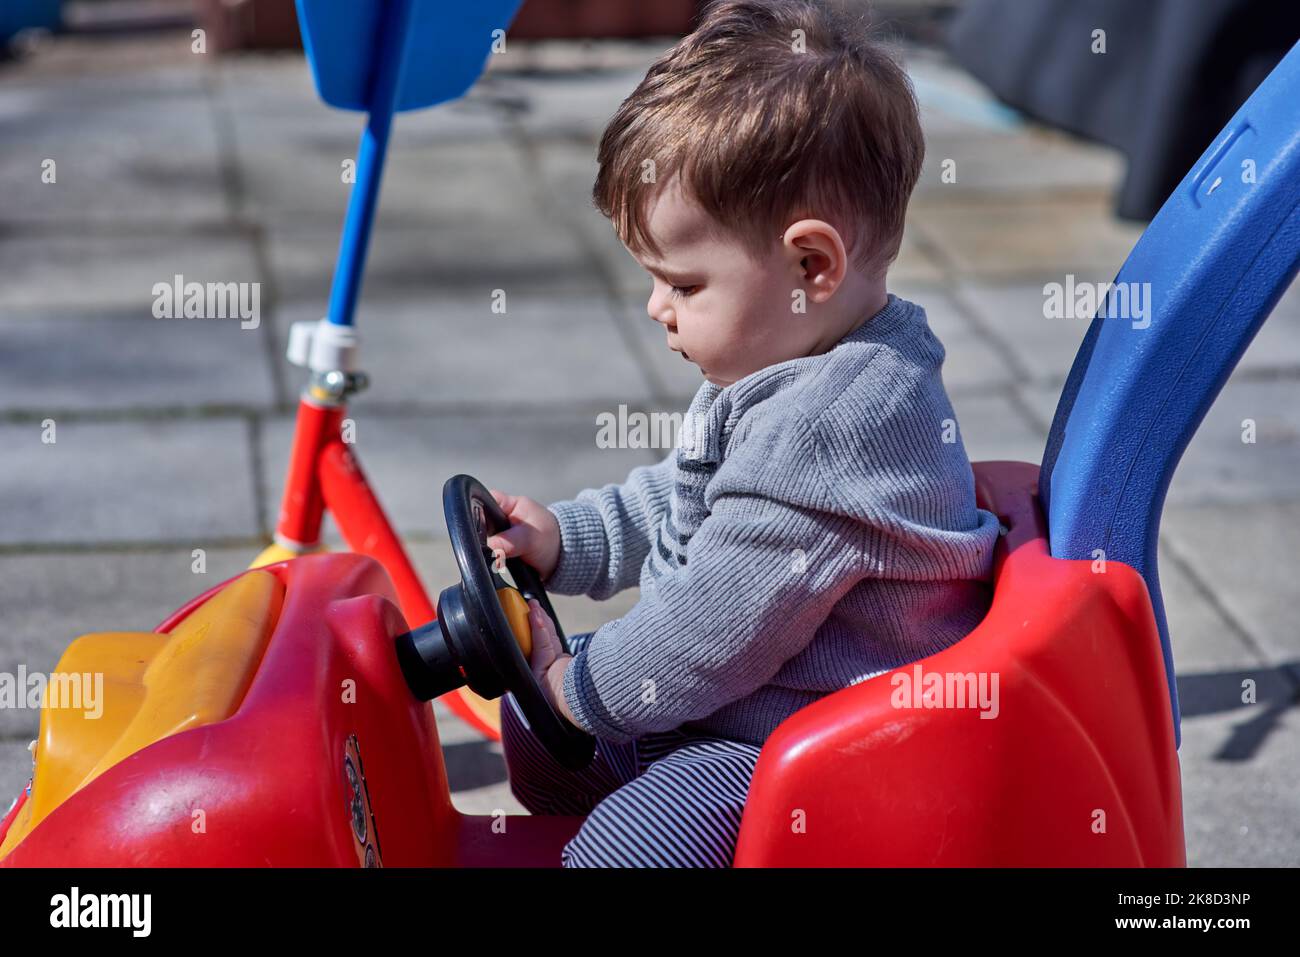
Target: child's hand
(534, 534)
(548, 660)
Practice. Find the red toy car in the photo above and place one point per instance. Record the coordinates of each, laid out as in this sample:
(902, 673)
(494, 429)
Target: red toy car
(282, 718)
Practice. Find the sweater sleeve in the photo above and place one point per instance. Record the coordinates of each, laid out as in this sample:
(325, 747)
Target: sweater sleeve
(761, 576)
(605, 533)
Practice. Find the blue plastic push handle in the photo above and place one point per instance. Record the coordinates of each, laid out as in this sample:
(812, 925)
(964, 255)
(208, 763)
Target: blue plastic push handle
(386, 56)
(1212, 264)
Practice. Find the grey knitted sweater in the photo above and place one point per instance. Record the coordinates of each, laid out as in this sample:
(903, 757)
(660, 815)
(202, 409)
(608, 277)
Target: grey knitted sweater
(815, 526)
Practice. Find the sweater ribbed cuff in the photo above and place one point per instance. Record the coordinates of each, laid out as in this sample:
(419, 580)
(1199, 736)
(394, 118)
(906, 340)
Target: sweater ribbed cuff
(582, 545)
(580, 695)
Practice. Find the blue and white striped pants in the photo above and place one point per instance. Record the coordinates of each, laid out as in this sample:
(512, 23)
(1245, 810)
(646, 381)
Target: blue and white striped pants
(669, 799)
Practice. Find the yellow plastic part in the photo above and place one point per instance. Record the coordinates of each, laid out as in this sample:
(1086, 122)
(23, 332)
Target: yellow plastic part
(486, 710)
(153, 686)
(516, 608)
(278, 553)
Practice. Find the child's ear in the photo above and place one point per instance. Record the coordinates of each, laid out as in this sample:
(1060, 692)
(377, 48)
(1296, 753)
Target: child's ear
(817, 254)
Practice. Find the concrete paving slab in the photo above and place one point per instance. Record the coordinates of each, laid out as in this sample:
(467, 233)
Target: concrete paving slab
(992, 427)
(96, 361)
(1044, 348)
(572, 104)
(1002, 237)
(117, 271)
(426, 183)
(1041, 349)
(185, 481)
(548, 455)
(76, 153)
(507, 253)
(1247, 555)
(271, 99)
(1243, 813)
(1019, 163)
(452, 348)
(15, 772)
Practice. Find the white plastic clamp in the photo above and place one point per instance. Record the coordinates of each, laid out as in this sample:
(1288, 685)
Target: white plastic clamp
(322, 346)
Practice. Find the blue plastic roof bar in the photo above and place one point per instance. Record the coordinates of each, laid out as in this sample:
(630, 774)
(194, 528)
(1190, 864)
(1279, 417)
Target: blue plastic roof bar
(1212, 265)
(355, 241)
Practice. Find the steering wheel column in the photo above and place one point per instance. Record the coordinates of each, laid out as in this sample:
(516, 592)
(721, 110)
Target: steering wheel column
(481, 637)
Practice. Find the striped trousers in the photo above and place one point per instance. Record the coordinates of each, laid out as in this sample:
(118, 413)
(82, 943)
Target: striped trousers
(668, 799)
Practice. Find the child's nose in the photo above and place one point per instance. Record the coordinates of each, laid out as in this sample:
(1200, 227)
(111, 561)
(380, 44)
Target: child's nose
(660, 310)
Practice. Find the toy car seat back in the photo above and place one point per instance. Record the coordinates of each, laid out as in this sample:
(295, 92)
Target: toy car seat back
(1041, 739)
(1204, 276)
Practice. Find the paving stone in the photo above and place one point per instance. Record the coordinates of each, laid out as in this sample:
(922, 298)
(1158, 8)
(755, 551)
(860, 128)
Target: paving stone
(15, 772)
(571, 105)
(1014, 238)
(952, 102)
(993, 428)
(1218, 466)
(1019, 163)
(546, 455)
(1242, 812)
(186, 481)
(116, 271)
(50, 599)
(450, 255)
(150, 157)
(117, 360)
(430, 184)
(1246, 553)
(271, 98)
(1042, 349)
(452, 348)
(1277, 344)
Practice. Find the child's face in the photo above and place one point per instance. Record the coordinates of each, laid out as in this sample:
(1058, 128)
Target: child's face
(723, 309)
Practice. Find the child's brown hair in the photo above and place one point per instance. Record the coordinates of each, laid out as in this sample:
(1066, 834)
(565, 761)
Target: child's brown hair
(770, 111)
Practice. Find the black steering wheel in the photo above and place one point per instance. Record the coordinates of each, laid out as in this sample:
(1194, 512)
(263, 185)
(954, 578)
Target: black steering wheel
(472, 641)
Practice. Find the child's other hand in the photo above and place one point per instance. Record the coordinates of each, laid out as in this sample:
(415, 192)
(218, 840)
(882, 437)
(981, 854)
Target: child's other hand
(534, 534)
(549, 659)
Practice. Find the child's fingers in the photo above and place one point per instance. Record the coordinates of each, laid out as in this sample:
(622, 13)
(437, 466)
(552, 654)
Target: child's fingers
(539, 620)
(504, 499)
(513, 542)
(546, 645)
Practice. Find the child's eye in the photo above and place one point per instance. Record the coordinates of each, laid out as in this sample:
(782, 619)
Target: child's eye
(680, 291)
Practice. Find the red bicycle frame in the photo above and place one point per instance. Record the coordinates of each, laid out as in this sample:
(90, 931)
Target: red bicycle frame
(324, 473)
